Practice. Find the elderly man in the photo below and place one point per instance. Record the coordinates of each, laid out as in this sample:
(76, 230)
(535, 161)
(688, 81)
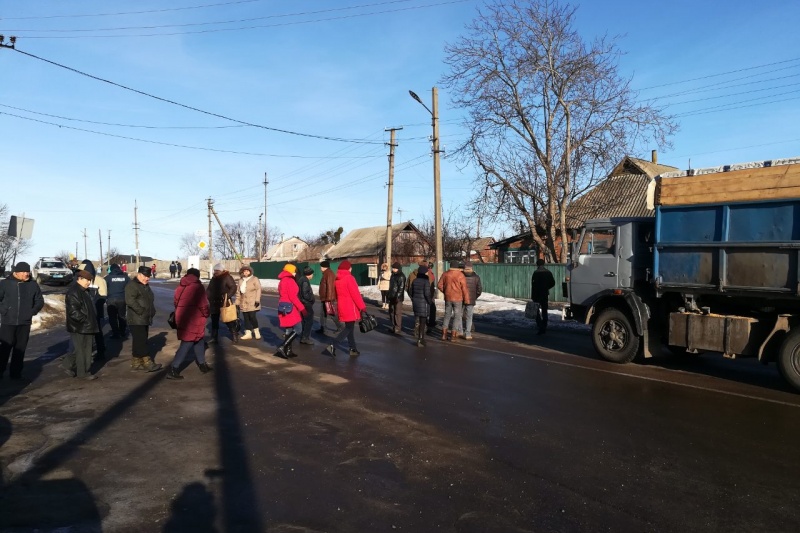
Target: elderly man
(20, 300)
(141, 309)
(81, 325)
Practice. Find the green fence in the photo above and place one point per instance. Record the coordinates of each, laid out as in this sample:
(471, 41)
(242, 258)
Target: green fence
(510, 280)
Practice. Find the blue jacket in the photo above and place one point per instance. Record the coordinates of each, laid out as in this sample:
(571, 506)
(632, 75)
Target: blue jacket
(19, 301)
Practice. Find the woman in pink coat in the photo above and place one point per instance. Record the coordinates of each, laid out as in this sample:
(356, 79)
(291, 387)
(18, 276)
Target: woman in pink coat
(191, 312)
(287, 294)
(350, 305)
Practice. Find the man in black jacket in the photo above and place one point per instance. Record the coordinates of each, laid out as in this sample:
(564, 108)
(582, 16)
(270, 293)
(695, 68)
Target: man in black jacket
(397, 290)
(81, 325)
(141, 309)
(20, 299)
(306, 295)
(541, 283)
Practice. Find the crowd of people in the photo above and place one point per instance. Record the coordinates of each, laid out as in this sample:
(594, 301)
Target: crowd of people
(235, 303)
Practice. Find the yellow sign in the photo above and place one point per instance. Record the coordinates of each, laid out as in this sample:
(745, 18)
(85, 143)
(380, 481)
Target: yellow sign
(202, 245)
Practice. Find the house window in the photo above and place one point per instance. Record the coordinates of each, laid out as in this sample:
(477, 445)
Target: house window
(520, 256)
(295, 247)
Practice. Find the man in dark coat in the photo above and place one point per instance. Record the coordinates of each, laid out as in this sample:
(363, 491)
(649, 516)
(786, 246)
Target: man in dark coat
(141, 310)
(327, 295)
(306, 295)
(221, 285)
(116, 281)
(397, 290)
(432, 278)
(541, 283)
(421, 296)
(81, 325)
(20, 299)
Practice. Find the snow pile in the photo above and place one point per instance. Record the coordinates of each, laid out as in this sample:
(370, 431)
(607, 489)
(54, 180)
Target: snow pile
(54, 312)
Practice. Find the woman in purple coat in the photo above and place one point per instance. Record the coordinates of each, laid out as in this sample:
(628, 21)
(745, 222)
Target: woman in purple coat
(191, 312)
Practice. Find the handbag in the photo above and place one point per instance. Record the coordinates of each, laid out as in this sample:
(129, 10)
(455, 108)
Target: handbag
(227, 313)
(171, 321)
(330, 309)
(367, 322)
(532, 310)
(284, 308)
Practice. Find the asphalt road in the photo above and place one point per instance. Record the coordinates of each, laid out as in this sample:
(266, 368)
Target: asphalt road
(512, 432)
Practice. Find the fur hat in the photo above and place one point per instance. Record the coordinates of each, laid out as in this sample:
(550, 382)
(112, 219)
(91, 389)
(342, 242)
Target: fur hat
(290, 268)
(145, 271)
(245, 267)
(308, 271)
(345, 265)
(22, 266)
(84, 274)
(326, 264)
(397, 265)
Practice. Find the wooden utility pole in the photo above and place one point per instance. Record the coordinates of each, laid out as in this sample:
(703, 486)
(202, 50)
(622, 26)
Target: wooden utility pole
(389, 235)
(136, 233)
(437, 189)
(109, 248)
(85, 247)
(225, 234)
(100, 236)
(264, 240)
(210, 247)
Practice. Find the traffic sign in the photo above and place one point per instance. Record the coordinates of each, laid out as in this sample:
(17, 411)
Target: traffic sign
(202, 245)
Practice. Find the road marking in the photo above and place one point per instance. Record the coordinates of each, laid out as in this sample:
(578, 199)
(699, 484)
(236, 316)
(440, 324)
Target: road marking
(646, 378)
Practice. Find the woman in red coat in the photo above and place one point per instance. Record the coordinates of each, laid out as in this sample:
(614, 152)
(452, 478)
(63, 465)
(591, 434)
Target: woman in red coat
(287, 294)
(191, 312)
(350, 306)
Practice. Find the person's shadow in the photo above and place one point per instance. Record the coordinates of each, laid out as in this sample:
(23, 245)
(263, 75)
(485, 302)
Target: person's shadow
(193, 510)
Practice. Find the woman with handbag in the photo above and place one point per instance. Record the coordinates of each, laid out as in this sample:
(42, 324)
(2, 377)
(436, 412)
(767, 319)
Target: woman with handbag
(221, 292)
(191, 312)
(420, 292)
(290, 309)
(249, 298)
(383, 285)
(350, 306)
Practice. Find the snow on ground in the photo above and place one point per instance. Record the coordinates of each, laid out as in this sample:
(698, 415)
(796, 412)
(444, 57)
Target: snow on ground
(54, 312)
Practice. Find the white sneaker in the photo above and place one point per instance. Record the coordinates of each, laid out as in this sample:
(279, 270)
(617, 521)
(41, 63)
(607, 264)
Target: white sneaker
(257, 333)
(247, 336)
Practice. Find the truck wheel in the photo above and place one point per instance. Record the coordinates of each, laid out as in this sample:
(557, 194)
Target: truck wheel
(614, 337)
(789, 358)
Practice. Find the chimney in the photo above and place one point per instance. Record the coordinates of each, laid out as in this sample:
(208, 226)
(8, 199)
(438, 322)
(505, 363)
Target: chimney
(654, 156)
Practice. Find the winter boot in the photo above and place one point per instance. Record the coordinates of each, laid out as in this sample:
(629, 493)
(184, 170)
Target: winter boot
(149, 365)
(214, 335)
(354, 352)
(444, 334)
(136, 364)
(173, 373)
(285, 349)
(257, 333)
(330, 350)
(247, 335)
(235, 336)
(205, 368)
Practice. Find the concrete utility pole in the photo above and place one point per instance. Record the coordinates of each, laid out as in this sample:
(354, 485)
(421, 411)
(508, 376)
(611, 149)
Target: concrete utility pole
(210, 247)
(85, 248)
(264, 240)
(136, 233)
(109, 248)
(100, 236)
(437, 191)
(389, 235)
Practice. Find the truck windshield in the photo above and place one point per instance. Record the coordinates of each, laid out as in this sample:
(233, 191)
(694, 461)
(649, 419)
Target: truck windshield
(599, 241)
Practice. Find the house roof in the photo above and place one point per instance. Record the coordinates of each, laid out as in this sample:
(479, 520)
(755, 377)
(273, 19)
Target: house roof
(482, 243)
(622, 194)
(275, 248)
(314, 253)
(366, 241)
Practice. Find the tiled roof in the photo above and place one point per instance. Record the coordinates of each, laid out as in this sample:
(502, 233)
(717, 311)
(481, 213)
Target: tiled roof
(366, 241)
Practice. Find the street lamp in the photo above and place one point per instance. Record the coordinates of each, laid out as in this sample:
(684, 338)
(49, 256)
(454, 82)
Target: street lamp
(437, 192)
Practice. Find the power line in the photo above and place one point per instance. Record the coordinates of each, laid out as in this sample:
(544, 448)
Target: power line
(133, 12)
(721, 74)
(174, 145)
(716, 109)
(309, 135)
(241, 28)
(738, 94)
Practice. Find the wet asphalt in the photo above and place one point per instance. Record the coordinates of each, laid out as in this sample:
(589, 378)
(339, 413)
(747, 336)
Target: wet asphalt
(512, 432)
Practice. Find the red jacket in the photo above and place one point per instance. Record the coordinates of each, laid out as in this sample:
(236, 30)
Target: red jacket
(191, 309)
(349, 301)
(287, 292)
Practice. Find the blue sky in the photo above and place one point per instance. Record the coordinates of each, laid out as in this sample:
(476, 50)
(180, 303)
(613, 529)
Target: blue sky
(342, 73)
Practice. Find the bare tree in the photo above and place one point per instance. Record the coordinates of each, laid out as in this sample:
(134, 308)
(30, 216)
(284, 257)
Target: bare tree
(549, 114)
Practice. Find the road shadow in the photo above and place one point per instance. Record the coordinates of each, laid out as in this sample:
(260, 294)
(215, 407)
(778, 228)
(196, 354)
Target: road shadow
(193, 510)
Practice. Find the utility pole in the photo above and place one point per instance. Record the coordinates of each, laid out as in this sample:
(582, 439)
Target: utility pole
(264, 240)
(437, 190)
(85, 247)
(225, 234)
(400, 213)
(210, 247)
(389, 235)
(136, 233)
(100, 236)
(109, 248)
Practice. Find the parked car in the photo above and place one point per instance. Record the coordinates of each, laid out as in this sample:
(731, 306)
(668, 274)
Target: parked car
(52, 270)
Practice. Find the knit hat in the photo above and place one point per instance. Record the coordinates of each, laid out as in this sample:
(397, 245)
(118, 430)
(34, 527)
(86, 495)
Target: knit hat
(422, 271)
(308, 271)
(245, 267)
(459, 264)
(397, 265)
(145, 271)
(326, 264)
(218, 266)
(345, 265)
(84, 274)
(290, 268)
(22, 266)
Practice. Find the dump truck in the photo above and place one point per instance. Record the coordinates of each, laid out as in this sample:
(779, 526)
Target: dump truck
(715, 269)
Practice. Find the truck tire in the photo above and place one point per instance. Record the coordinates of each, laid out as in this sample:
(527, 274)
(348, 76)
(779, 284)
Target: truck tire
(614, 337)
(789, 358)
